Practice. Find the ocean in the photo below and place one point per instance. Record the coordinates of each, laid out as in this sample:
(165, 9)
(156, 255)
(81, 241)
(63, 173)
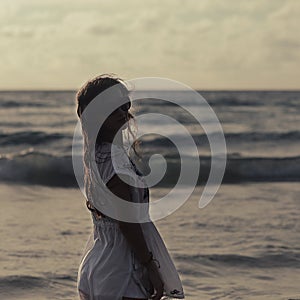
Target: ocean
(244, 245)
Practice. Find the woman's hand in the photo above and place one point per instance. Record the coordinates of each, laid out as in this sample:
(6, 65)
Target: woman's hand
(156, 280)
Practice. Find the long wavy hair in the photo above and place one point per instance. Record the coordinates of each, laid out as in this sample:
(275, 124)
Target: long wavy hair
(89, 91)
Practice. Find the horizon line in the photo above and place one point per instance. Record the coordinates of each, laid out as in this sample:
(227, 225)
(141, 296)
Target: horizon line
(198, 90)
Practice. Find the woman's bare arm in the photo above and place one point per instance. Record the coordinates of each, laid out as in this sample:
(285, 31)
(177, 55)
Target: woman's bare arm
(132, 231)
(135, 237)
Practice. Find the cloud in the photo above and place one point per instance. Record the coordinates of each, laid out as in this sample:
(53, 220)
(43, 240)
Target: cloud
(209, 40)
(17, 32)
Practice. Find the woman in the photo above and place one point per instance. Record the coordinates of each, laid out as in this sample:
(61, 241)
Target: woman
(122, 260)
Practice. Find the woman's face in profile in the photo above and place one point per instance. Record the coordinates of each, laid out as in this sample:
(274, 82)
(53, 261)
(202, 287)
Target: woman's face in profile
(118, 118)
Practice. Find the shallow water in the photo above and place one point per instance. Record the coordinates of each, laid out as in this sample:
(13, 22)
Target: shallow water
(243, 245)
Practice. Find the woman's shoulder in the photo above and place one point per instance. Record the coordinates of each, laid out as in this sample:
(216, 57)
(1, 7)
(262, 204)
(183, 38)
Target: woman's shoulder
(107, 152)
(102, 151)
(111, 158)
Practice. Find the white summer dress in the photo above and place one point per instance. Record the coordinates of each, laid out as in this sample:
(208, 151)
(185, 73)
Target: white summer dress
(109, 269)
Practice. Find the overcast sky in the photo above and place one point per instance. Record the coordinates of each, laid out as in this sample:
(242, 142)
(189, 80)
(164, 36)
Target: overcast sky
(206, 44)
